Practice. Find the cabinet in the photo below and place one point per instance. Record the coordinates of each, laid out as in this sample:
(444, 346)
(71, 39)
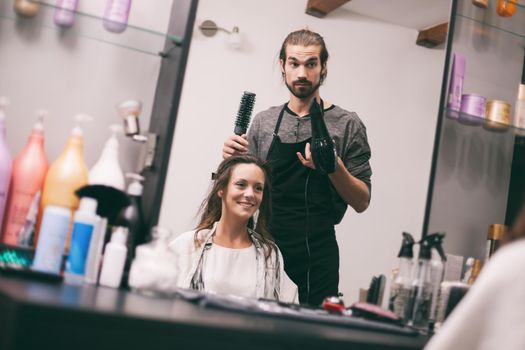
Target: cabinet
(86, 69)
(471, 166)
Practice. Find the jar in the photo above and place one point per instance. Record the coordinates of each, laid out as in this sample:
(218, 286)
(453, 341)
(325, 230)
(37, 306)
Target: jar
(497, 115)
(472, 109)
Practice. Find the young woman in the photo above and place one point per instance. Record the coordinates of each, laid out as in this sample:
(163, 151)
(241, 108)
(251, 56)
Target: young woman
(223, 255)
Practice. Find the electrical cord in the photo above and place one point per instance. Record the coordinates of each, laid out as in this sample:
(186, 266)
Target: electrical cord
(307, 236)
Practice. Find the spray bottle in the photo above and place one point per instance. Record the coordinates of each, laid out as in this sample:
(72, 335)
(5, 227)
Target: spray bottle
(400, 289)
(67, 174)
(420, 298)
(29, 171)
(437, 272)
(5, 160)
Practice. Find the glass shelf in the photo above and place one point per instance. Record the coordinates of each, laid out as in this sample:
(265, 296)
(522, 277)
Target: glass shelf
(91, 27)
(469, 120)
(514, 25)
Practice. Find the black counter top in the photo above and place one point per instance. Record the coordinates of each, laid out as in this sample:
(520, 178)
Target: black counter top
(36, 315)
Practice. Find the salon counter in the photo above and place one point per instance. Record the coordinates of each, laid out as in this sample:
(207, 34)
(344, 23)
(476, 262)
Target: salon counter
(41, 315)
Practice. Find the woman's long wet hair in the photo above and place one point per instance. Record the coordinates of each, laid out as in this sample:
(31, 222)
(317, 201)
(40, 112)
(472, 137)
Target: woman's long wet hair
(211, 207)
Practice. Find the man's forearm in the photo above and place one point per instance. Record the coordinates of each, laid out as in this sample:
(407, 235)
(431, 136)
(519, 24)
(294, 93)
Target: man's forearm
(353, 191)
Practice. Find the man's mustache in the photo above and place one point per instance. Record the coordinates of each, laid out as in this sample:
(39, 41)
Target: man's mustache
(302, 82)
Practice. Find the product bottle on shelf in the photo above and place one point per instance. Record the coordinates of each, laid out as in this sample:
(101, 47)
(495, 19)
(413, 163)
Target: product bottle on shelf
(107, 170)
(400, 288)
(84, 224)
(114, 258)
(132, 218)
(65, 13)
(506, 8)
(29, 171)
(5, 160)
(519, 110)
(26, 8)
(116, 15)
(66, 174)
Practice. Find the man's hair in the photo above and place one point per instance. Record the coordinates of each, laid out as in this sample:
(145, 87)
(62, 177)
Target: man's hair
(305, 37)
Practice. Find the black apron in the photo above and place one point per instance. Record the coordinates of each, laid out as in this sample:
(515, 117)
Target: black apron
(302, 221)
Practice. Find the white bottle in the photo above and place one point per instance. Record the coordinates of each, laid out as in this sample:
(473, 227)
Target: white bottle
(114, 258)
(84, 225)
(437, 269)
(107, 170)
(95, 251)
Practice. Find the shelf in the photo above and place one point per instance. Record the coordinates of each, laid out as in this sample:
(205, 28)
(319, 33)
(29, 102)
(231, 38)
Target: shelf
(468, 120)
(91, 27)
(514, 25)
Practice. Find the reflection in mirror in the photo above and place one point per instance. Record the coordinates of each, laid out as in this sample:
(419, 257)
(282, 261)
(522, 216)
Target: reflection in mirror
(375, 69)
(478, 179)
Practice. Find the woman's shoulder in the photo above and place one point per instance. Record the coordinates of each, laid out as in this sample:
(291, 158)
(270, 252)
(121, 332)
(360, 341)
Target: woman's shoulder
(188, 239)
(505, 263)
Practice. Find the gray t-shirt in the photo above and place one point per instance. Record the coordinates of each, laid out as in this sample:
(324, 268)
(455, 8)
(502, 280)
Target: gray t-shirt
(346, 129)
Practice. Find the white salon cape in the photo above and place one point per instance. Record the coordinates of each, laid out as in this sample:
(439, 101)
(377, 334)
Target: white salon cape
(491, 316)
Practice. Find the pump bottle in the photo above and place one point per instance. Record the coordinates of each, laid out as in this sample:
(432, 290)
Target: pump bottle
(107, 170)
(323, 150)
(400, 289)
(5, 160)
(67, 174)
(27, 180)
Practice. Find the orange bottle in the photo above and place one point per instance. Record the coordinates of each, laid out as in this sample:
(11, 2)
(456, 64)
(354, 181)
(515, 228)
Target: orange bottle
(67, 174)
(27, 179)
(506, 8)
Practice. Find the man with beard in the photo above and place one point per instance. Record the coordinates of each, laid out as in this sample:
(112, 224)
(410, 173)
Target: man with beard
(306, 204)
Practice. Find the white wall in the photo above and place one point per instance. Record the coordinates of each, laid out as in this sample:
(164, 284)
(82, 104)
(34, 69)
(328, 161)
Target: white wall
(375, 69)
(77, 70)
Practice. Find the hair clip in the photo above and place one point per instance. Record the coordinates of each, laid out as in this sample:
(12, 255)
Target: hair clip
(213, 176)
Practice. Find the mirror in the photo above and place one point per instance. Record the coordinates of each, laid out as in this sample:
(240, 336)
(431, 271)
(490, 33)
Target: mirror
(375, 69)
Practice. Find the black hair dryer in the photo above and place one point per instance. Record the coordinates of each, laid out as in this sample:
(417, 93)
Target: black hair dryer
(323, 150)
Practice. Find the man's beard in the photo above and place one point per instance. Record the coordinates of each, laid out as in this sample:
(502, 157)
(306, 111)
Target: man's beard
(305, 91)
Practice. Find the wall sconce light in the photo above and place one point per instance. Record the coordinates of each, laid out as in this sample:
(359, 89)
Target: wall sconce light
(210, 28)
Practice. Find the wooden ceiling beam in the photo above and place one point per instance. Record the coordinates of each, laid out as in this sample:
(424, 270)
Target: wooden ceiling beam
(320, 8)
(433, 36)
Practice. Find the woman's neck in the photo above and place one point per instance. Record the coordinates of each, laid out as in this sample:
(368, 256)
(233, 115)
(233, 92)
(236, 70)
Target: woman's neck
(232, 233)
